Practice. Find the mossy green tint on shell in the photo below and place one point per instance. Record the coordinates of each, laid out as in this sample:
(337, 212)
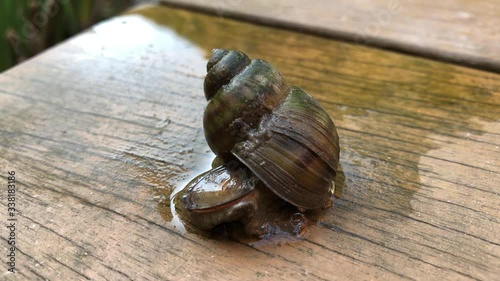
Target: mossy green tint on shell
(278, 132)
(239, 96)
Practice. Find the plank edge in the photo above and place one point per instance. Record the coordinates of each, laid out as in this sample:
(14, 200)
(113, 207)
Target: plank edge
(465, 60)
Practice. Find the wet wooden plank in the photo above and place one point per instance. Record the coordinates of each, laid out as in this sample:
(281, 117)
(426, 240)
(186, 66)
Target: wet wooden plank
(99, 128)
(464, 32)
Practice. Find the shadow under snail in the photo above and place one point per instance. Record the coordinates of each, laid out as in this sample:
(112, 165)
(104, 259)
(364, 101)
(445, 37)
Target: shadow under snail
(266, 135)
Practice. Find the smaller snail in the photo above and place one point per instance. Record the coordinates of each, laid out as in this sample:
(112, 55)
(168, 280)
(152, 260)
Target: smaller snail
(226, 193)
(269, 136)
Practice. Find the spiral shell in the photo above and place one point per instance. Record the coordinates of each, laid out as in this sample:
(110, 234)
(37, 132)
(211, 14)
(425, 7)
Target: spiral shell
(279, 132)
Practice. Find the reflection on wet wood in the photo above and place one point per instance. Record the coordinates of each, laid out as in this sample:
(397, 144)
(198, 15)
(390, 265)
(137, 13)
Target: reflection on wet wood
(98, 128)
(464, 32)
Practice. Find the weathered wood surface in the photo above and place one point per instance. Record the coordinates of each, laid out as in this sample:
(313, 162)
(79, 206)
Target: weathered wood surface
(99, 127)
(465, 32)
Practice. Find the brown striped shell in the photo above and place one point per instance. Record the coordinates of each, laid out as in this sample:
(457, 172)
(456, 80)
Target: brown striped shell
(284, 137)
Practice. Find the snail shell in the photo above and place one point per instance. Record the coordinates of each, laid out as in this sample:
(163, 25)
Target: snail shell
(279, 132)
(226, 193)
(219, 186)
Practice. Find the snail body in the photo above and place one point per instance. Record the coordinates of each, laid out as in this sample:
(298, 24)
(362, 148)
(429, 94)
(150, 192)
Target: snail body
(277, 132)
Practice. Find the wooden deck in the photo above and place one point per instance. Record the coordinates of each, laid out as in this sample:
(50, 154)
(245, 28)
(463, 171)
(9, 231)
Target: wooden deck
(461, 31)
(102, 127)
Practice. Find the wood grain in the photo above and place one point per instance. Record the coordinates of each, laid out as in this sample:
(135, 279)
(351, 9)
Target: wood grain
(99, 127)
(459, 31)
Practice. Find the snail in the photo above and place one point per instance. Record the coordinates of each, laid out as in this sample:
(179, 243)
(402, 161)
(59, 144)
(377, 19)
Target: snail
(268, 136)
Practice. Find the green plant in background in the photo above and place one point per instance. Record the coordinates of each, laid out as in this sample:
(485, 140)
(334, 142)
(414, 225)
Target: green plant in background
(27, 27)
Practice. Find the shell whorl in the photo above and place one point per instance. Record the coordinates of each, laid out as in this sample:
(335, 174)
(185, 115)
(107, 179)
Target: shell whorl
(221, 68)
(240, 92)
